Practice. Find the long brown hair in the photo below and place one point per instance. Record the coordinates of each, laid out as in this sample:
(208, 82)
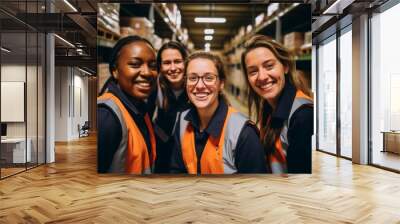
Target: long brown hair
(164, 83)
(270, 133)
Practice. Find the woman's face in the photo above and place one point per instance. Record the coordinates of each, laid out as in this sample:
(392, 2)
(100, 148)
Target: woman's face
(266, 74)
(202, 83)
(172, 66)
(136, 69)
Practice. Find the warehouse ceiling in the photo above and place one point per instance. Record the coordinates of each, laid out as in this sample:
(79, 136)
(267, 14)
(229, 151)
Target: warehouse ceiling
(79, 27)
(236, 15)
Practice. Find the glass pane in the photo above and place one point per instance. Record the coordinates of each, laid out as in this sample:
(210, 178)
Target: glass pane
(13, 86)
(41, 99)
(31, 98)
(327, 96)
(346, 94)
(385, 86)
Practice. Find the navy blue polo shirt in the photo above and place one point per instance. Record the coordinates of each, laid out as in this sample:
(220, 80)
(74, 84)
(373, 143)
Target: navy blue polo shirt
(165, 120)
(109, 133)
(300, 130)
(249, 155)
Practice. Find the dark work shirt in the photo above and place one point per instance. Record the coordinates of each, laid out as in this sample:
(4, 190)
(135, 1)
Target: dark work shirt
(165, 121)
(249, 154)
(300, 130)
(166, 117)
(109, 127)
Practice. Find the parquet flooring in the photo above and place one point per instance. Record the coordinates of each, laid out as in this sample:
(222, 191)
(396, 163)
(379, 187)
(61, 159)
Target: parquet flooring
(70, 191)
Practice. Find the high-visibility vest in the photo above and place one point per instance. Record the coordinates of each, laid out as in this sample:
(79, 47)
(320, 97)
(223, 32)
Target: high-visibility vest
(218, 156)
(132, 155)
(277, 160)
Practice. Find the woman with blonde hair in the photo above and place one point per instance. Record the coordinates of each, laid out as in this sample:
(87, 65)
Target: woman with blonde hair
(283, 106)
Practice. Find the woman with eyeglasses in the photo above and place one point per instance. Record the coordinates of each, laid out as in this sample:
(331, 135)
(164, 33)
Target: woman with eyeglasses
(126, 141)
(212, 137)
(170, 99)
(283, 105)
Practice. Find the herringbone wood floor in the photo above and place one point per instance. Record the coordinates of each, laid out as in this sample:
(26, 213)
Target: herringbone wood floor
(70, 191)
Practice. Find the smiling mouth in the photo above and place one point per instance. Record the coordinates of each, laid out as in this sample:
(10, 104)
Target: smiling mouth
(144, 84)
(267, 86)
(201, 96)
(174, 75)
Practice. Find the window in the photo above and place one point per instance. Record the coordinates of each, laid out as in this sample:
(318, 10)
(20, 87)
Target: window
(327, 95)
(346, 92)
(385, 88)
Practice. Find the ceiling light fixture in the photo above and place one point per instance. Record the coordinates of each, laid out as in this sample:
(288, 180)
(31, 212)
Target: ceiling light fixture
(84, 71)
(208, 37)
(208, 31)
(70, 5)
(5, 50)
(64, 40)
(210, 20)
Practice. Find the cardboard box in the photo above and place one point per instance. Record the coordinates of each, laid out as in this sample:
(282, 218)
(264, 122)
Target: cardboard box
(293, 40)
(140, 26)
(126, 31)
(272, 8)
(259, 19)
(307, 37)
(109, 16)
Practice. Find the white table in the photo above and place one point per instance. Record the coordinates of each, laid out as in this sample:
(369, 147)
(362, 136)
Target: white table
(17, 147)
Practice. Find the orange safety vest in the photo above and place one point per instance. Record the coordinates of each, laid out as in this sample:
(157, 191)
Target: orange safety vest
(132, 154)
(277, 160)
(218, 153)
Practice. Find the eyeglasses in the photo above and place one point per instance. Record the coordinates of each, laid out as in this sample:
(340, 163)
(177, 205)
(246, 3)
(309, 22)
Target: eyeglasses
(208, 80)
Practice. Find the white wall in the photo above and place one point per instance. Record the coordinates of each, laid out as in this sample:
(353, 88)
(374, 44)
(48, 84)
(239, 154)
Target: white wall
(71, 94)
(61, 103)
(33, 126)
(16, 73)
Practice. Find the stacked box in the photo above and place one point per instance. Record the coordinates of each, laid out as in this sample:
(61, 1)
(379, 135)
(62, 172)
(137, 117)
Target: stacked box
(126, 31)
(294, 40)
(259, 19)
(227, 46)
(102, 74)
(139, 26)
(108, 16)
(156, 41)
(249, 28)
(307, 38)
(272, 8)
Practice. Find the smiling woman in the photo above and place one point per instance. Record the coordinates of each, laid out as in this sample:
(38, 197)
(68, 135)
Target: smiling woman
(283, 108)
(126, 141)
(170, 99)
(212, 137)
